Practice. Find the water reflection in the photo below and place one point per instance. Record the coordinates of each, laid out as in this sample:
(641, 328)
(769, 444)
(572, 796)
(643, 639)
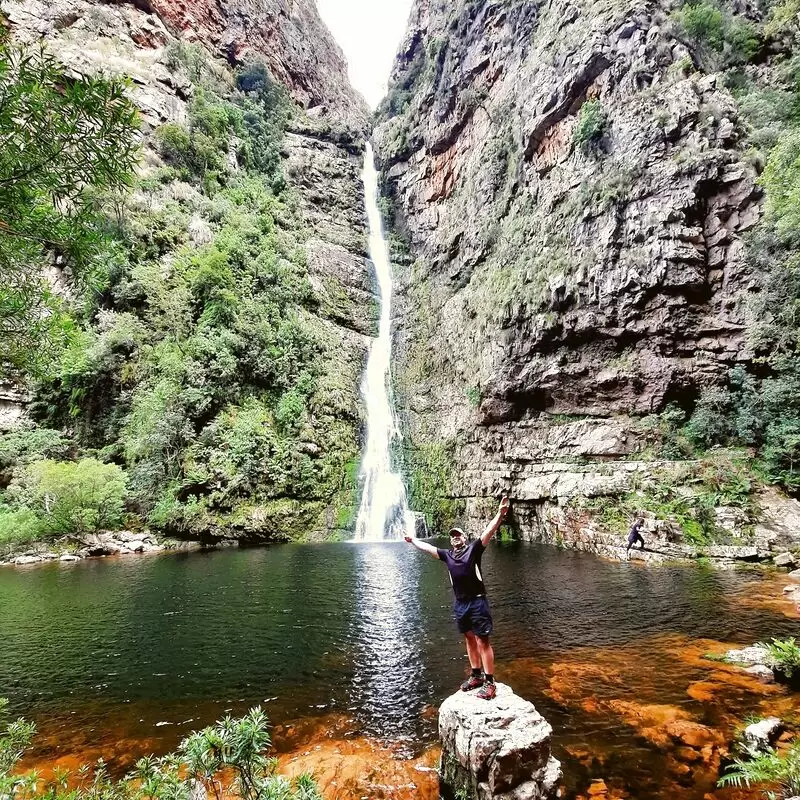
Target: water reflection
(388, 691)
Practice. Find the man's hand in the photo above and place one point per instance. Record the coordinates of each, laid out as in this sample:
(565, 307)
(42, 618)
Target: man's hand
(408, 539)
(494, 525)
(505, 505)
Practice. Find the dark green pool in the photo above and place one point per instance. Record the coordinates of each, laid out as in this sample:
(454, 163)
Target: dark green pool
(143, 649)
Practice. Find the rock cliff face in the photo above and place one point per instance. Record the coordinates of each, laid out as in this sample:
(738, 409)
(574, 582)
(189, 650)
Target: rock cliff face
(573, 195)
(287, 34)
(321, 152)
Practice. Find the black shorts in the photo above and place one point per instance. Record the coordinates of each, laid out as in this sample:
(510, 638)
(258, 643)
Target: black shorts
(473, 615)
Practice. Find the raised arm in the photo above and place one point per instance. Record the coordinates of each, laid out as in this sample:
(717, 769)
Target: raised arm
(424, 546)
(494, 526)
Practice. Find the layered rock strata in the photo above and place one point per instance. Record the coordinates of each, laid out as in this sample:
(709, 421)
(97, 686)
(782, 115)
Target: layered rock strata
(573, 195)
(496, 749)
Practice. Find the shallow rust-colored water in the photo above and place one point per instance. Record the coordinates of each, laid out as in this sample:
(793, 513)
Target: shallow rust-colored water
(351, 648)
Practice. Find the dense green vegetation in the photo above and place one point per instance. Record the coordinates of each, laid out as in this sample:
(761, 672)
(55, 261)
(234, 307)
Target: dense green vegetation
(63, 142)
(721, 38)
(429, 471)
(195, 382)
(228, 759)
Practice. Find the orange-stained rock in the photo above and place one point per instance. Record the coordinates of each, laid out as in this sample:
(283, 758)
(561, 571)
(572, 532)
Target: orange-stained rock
(598, 789)
(693, 734)
(354, 768)
(688, 754)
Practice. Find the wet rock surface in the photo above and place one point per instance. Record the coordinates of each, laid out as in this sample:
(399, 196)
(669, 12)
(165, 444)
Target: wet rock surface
(497, 748)
(758, 737)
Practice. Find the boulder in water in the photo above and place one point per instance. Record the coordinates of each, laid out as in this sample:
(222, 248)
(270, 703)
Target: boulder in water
(760, 736)
(496, 749)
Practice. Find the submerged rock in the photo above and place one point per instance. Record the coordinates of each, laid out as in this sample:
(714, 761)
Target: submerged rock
(496, 748)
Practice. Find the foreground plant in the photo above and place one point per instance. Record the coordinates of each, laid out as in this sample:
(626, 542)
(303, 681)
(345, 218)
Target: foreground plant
(781, 771)
(783, 655)
(226, 760)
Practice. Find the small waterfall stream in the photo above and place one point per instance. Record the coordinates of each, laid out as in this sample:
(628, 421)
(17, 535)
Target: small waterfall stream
(384, 512)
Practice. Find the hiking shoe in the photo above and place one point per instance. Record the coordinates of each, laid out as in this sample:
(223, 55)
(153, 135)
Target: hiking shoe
(473, 682)
(488, 692)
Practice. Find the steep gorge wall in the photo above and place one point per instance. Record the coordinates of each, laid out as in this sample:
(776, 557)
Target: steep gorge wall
(553, 295)
(321, 162)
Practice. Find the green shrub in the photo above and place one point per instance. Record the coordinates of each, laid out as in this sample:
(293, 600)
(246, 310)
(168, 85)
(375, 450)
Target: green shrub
(776, 771)
(228, 759)
(727, 481)
(783, 655)
(18, 526)
(710, 422)
(189, 57)
(73, 497)
(782, 17)
(734, 40)
(474, 396)
(290, 411)
(704, 22)
(745, 41)
(175, 144)
(24, 445)
(591, 127)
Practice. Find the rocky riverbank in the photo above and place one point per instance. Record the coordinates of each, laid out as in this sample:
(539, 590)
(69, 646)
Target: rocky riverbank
(576, 529)
(93, 545)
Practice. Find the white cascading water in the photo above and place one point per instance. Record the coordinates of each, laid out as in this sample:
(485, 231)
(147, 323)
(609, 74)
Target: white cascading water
(384, 512)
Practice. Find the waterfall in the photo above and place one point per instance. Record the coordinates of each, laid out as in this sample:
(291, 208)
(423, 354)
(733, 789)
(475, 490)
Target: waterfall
(384, 512)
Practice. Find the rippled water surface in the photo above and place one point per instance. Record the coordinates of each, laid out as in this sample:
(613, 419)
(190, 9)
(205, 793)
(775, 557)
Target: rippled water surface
(117, 657)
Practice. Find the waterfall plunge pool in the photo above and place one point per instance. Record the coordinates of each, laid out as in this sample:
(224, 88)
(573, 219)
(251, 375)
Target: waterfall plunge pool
(350, 648)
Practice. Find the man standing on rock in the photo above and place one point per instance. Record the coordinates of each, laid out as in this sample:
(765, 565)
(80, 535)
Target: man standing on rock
(471, 608)
(635, 536)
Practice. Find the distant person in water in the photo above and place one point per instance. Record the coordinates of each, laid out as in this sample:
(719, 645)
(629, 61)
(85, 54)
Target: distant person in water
(471, 608)
(635, 536)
